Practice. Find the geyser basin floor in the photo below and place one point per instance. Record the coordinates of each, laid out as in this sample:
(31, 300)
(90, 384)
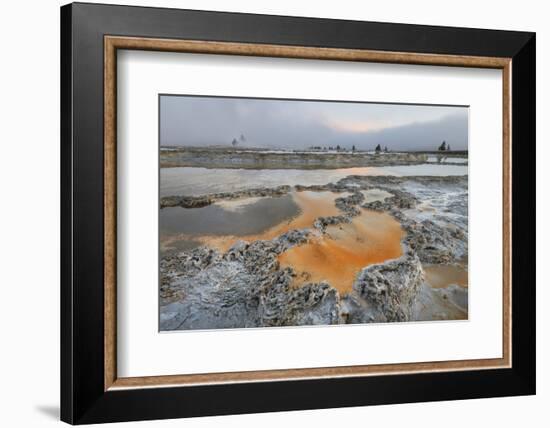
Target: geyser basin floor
(206, 289)
(335, 257)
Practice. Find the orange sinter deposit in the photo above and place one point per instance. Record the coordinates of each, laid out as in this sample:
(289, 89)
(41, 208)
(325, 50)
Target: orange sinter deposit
(312, 205)
(339, 255)
(441, 276)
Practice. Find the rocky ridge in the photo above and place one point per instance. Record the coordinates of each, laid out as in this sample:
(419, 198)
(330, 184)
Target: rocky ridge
(253, 159)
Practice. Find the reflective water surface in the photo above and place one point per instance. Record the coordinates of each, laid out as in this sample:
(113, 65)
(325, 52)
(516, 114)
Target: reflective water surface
(201, 181)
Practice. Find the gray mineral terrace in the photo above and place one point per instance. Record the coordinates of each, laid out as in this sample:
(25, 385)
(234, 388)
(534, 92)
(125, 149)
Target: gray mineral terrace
(404, 240)
(224, 157)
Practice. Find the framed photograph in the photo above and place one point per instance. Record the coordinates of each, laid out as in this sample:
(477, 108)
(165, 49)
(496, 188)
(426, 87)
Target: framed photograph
(265, 213)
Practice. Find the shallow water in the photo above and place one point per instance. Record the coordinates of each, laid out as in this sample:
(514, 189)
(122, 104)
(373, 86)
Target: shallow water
(222, 224)
(201, 181)
(339, 255)
(441, 276)
(374, 195)
(422, 169)
(312, 205)
(239, 217)
(447, 159)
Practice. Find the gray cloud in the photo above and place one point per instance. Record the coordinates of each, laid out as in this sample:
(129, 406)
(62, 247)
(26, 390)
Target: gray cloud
(420, 135)
(202, 121)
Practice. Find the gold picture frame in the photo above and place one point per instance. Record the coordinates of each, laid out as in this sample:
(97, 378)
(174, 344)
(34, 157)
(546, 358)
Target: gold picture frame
(114, 43)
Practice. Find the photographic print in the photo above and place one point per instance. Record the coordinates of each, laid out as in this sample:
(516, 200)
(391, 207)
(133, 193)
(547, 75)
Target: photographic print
(288, 212)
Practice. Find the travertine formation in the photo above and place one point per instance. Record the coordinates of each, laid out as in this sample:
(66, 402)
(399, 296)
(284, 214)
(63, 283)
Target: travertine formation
(224, 157)
(246, 287)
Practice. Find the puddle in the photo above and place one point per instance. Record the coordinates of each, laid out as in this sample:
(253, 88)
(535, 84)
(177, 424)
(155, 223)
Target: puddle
(238, 205)
(441, 276)
(223, 224)
(374, 195)
(338, 256)
(240, 217)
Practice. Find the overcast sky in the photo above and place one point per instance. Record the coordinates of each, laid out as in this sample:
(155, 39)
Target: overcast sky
(203, 121)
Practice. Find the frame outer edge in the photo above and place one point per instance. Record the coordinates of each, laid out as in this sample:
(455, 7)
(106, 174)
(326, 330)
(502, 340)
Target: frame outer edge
(524, 218)
(232, 27)
(66, 151)
(82, 400)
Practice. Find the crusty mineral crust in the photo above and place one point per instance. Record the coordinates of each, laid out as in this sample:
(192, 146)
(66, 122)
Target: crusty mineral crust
(246, 287)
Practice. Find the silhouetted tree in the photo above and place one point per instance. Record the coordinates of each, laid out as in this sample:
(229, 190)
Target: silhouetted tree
(353, 148)
(386, 149)
(338, 147)
(443, 146)
(234, 142)
(378, 149)
(448, 147)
